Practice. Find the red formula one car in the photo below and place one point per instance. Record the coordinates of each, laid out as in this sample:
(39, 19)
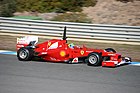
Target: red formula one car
(57, 50)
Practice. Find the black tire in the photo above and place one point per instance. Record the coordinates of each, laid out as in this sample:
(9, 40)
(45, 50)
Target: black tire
(110, 50)
(25, 54)
(94, 59)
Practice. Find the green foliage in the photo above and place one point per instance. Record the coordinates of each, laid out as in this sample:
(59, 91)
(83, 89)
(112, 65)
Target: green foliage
(7, 8)
(53, 5)
(72, 17)
(89, 2)
(125, 1)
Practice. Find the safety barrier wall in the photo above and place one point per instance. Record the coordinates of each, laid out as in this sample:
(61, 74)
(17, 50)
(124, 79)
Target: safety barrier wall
(75, 31)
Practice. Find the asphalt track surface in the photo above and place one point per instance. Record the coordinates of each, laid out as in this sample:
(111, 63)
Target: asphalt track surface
(41, 77)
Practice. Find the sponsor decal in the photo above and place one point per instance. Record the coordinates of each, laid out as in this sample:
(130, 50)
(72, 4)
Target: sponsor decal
(75, 60)
(62, 53)
(82, 52)
(53, 46)
(27, 39)
(49, 43)
(52, 58)
(44, 53)
(89, 51)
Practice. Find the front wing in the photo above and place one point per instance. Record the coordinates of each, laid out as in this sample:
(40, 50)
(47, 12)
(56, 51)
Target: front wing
(114, 63)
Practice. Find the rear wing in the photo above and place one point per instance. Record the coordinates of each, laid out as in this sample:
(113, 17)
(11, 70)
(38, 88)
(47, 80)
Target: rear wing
(26, 40)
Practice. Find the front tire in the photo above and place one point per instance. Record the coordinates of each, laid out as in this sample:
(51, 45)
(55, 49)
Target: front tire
(94, 59)
(25, 54)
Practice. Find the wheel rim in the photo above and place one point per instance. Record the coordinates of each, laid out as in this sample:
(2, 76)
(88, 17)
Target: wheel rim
(23, 54)
(93, 59)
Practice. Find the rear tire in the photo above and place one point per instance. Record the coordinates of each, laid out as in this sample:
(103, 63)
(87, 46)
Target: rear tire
(25, 54)
(94, 59)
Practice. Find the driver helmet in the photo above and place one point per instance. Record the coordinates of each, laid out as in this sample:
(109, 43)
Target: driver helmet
(71, 45)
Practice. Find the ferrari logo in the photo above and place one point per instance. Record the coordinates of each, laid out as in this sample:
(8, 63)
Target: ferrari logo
(49, 43)
(82, 52)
